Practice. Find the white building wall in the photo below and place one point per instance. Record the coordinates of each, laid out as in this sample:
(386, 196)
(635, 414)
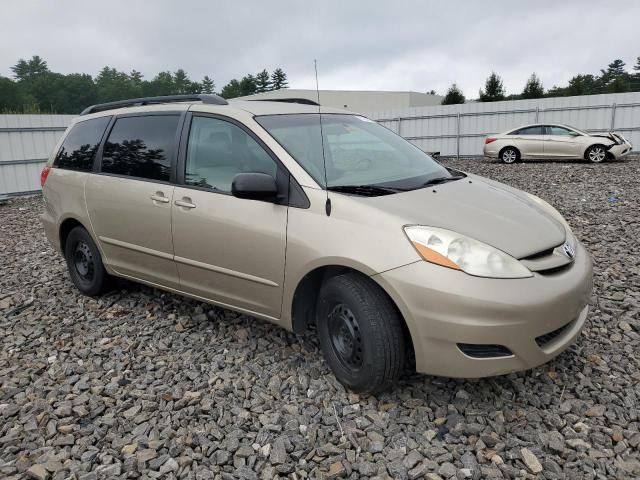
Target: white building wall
(360, 101)
(25, 144)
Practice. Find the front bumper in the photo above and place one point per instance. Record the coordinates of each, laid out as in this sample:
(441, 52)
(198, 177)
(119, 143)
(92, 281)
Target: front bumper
(621, 150)
(444, 308)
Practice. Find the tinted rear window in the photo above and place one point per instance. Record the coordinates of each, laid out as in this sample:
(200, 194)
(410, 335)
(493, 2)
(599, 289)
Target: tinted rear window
(141, 147)
(80, 145)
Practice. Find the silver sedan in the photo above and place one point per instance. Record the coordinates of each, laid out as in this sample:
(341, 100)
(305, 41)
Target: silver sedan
(555, 142)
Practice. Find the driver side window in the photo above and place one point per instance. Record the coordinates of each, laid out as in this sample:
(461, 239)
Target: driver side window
(218, 150)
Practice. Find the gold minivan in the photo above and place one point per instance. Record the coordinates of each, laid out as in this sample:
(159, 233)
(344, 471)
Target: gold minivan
(310, 217)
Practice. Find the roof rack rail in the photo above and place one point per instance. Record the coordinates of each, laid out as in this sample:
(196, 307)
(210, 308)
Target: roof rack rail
(302, 101)
(201, 97)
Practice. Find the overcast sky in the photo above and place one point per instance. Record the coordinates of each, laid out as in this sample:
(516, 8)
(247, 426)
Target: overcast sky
(373, 45)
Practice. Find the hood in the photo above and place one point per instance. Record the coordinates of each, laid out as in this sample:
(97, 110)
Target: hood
(488, 211)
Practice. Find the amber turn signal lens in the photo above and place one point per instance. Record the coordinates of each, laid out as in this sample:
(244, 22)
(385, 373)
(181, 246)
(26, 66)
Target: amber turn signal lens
(434, 257)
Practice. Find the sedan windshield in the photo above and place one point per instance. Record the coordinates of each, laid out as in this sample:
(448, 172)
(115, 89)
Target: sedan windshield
(358, 153)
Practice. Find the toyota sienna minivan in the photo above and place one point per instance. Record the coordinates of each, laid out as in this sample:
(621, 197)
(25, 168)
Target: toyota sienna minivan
(311, 217)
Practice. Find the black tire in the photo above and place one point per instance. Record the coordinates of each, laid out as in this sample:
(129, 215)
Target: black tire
(84, 263)
(360, 333)
(510, 155)
(596, 154)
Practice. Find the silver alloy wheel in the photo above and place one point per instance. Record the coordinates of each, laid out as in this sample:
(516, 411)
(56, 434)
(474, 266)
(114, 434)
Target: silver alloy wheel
(597, 155)
(509, 155)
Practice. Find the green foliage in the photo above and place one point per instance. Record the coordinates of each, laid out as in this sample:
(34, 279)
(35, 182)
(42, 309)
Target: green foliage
(232, 89)
(250, 84)
(278, 79)
(263, 82)
(493, 89)
(454, 96)
(29, 69)
(533, 88)
(207, 85)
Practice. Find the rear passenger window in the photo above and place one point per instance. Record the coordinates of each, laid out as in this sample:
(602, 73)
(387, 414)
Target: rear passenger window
(218, 150)
(141, 147)
(80, 145)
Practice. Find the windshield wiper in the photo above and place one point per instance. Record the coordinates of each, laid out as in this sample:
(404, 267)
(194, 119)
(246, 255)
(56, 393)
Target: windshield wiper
(365, 190)
(439, 180)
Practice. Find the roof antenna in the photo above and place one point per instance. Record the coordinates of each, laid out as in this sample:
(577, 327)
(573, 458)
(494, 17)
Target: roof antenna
(327, 205)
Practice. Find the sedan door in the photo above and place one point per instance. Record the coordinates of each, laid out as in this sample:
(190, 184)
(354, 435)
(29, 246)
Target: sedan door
(529, 140)
(561, 142)
(228, 250)
(129, 200)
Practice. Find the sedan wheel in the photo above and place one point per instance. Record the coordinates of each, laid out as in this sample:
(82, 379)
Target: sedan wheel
(509, 155)
(596, 154)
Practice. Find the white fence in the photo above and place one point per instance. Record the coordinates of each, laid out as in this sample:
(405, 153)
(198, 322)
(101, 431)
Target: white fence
(452, 130)
(459, 130)
(25, 144)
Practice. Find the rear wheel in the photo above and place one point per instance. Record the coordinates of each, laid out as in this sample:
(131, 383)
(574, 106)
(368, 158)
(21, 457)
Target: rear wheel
(84, 263)
(596, 154)
(360, 333)
(509, 155)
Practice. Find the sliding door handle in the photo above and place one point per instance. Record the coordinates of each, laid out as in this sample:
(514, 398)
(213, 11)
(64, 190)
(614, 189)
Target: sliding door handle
(185, 203)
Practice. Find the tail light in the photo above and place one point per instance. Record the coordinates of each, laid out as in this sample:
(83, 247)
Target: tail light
(489, 140)
(44, 174)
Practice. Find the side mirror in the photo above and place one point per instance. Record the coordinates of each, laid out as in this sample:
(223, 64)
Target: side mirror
(254, 186)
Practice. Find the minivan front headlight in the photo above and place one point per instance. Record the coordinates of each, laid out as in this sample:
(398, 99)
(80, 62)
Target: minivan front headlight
(453, 250)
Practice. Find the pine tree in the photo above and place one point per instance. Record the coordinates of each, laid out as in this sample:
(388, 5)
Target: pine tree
(533, 88)
(25, 70)
(279, 79)
(454, 96)
(207, 85)
(263, 82)
(248, 85)
(615, 78)
(493, 89)
(231, 89)
(181, 82)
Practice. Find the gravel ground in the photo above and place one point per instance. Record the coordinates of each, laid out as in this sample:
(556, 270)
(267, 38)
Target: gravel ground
(141, 383)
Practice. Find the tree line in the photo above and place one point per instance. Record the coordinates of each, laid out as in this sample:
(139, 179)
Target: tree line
(614, 79)
(34, 88)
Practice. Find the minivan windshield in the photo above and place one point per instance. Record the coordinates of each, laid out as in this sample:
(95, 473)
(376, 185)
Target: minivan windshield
(358, 152)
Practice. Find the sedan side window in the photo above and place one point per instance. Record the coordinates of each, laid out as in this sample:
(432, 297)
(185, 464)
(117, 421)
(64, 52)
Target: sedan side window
(554, 130)
(218, 150)
(529, 131)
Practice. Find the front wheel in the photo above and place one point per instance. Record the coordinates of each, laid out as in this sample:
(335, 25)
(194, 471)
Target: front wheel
(596, 154)
(360, 333)
(84, 263)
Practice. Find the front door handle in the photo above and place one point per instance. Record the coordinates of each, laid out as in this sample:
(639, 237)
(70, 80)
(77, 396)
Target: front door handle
(159, 197)
(185, 202)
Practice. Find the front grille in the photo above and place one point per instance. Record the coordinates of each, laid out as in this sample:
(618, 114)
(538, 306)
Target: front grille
(484, 351)
(544, 340)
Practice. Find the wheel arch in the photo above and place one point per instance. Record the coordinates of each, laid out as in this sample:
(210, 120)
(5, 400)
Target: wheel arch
(509, 146)
(65, 228)
(305, 297)
(609, 155)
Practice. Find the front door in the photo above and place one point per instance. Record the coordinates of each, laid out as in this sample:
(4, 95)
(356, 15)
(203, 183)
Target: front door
(228, 250)
(129, 200)
(560, 142)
